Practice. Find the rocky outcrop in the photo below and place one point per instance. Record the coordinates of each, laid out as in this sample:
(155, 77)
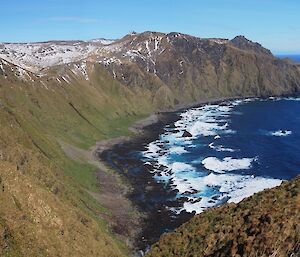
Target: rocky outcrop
(245, 44)
(186, 134)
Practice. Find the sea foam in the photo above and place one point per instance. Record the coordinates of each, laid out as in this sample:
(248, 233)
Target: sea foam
(205, 181)
(281, 133)
(220, 148)
(226, 164)
(232, 188)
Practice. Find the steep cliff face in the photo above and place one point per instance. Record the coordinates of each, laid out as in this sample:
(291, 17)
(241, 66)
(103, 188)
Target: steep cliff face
(266, 224)
(75, 93)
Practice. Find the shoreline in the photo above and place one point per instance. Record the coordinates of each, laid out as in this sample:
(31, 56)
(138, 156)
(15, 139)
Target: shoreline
(139, 126)
(142, 187)
(126, 219)
(142, 129)
(124, 187)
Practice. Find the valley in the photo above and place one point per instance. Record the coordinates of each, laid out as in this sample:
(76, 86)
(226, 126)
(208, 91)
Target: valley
(58, 98)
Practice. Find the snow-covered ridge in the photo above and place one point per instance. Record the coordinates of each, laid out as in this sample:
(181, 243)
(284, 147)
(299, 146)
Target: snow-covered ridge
(102, 41)
(141, 48)
(37, 56)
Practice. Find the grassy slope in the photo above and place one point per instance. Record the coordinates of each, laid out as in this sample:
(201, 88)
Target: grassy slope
(266, 224)
(45, 210)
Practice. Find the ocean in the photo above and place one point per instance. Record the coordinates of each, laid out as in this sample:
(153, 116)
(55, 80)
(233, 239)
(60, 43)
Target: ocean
(210, 155)
(294, 57)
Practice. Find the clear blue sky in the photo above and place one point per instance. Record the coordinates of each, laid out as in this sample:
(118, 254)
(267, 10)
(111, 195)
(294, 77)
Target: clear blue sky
(274, 23)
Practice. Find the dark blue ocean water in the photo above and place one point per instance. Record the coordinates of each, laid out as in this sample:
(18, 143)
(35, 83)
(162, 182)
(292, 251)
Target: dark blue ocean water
(234, 149)
(279, 156)
(294, 57)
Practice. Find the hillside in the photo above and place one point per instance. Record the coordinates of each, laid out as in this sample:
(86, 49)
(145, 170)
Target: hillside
(266, 224)
(62, 95)
(46, 209)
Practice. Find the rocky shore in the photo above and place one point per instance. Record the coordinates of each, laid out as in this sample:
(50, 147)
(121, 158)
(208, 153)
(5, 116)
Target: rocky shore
(141, 207)
(135, 199)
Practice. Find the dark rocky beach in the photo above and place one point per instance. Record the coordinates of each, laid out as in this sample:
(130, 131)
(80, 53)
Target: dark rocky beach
(151, 198)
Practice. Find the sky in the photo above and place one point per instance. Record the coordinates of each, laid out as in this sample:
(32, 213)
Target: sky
(273, 23)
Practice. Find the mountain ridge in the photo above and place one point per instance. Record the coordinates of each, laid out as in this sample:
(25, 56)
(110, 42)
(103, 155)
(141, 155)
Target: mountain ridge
(171, 62)
(97, 43)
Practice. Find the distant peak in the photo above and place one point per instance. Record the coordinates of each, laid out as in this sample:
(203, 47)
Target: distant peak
(241, 38)
(151, 33)
(243, 43)
(146, 35)
(131, 34)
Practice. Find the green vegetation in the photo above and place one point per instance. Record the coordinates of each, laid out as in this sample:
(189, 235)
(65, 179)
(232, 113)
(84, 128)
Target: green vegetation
(48, 125)
(266, 224)
(51, 204)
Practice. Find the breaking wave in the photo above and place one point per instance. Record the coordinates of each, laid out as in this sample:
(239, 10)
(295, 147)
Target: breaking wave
(193, 158)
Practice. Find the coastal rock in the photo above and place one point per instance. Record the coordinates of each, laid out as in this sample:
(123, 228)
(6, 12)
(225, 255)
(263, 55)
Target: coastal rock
(186, 134)
(172, 126)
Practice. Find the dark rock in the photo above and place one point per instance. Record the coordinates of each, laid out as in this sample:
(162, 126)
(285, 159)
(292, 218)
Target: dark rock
(172, 126)
(186, 134)
(197, 200)
(245, 44)
(215, 197)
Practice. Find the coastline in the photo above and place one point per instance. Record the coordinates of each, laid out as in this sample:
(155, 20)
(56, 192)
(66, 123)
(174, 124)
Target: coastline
(139, 189)
(144, 131)
(119, 189)
(140, 126)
